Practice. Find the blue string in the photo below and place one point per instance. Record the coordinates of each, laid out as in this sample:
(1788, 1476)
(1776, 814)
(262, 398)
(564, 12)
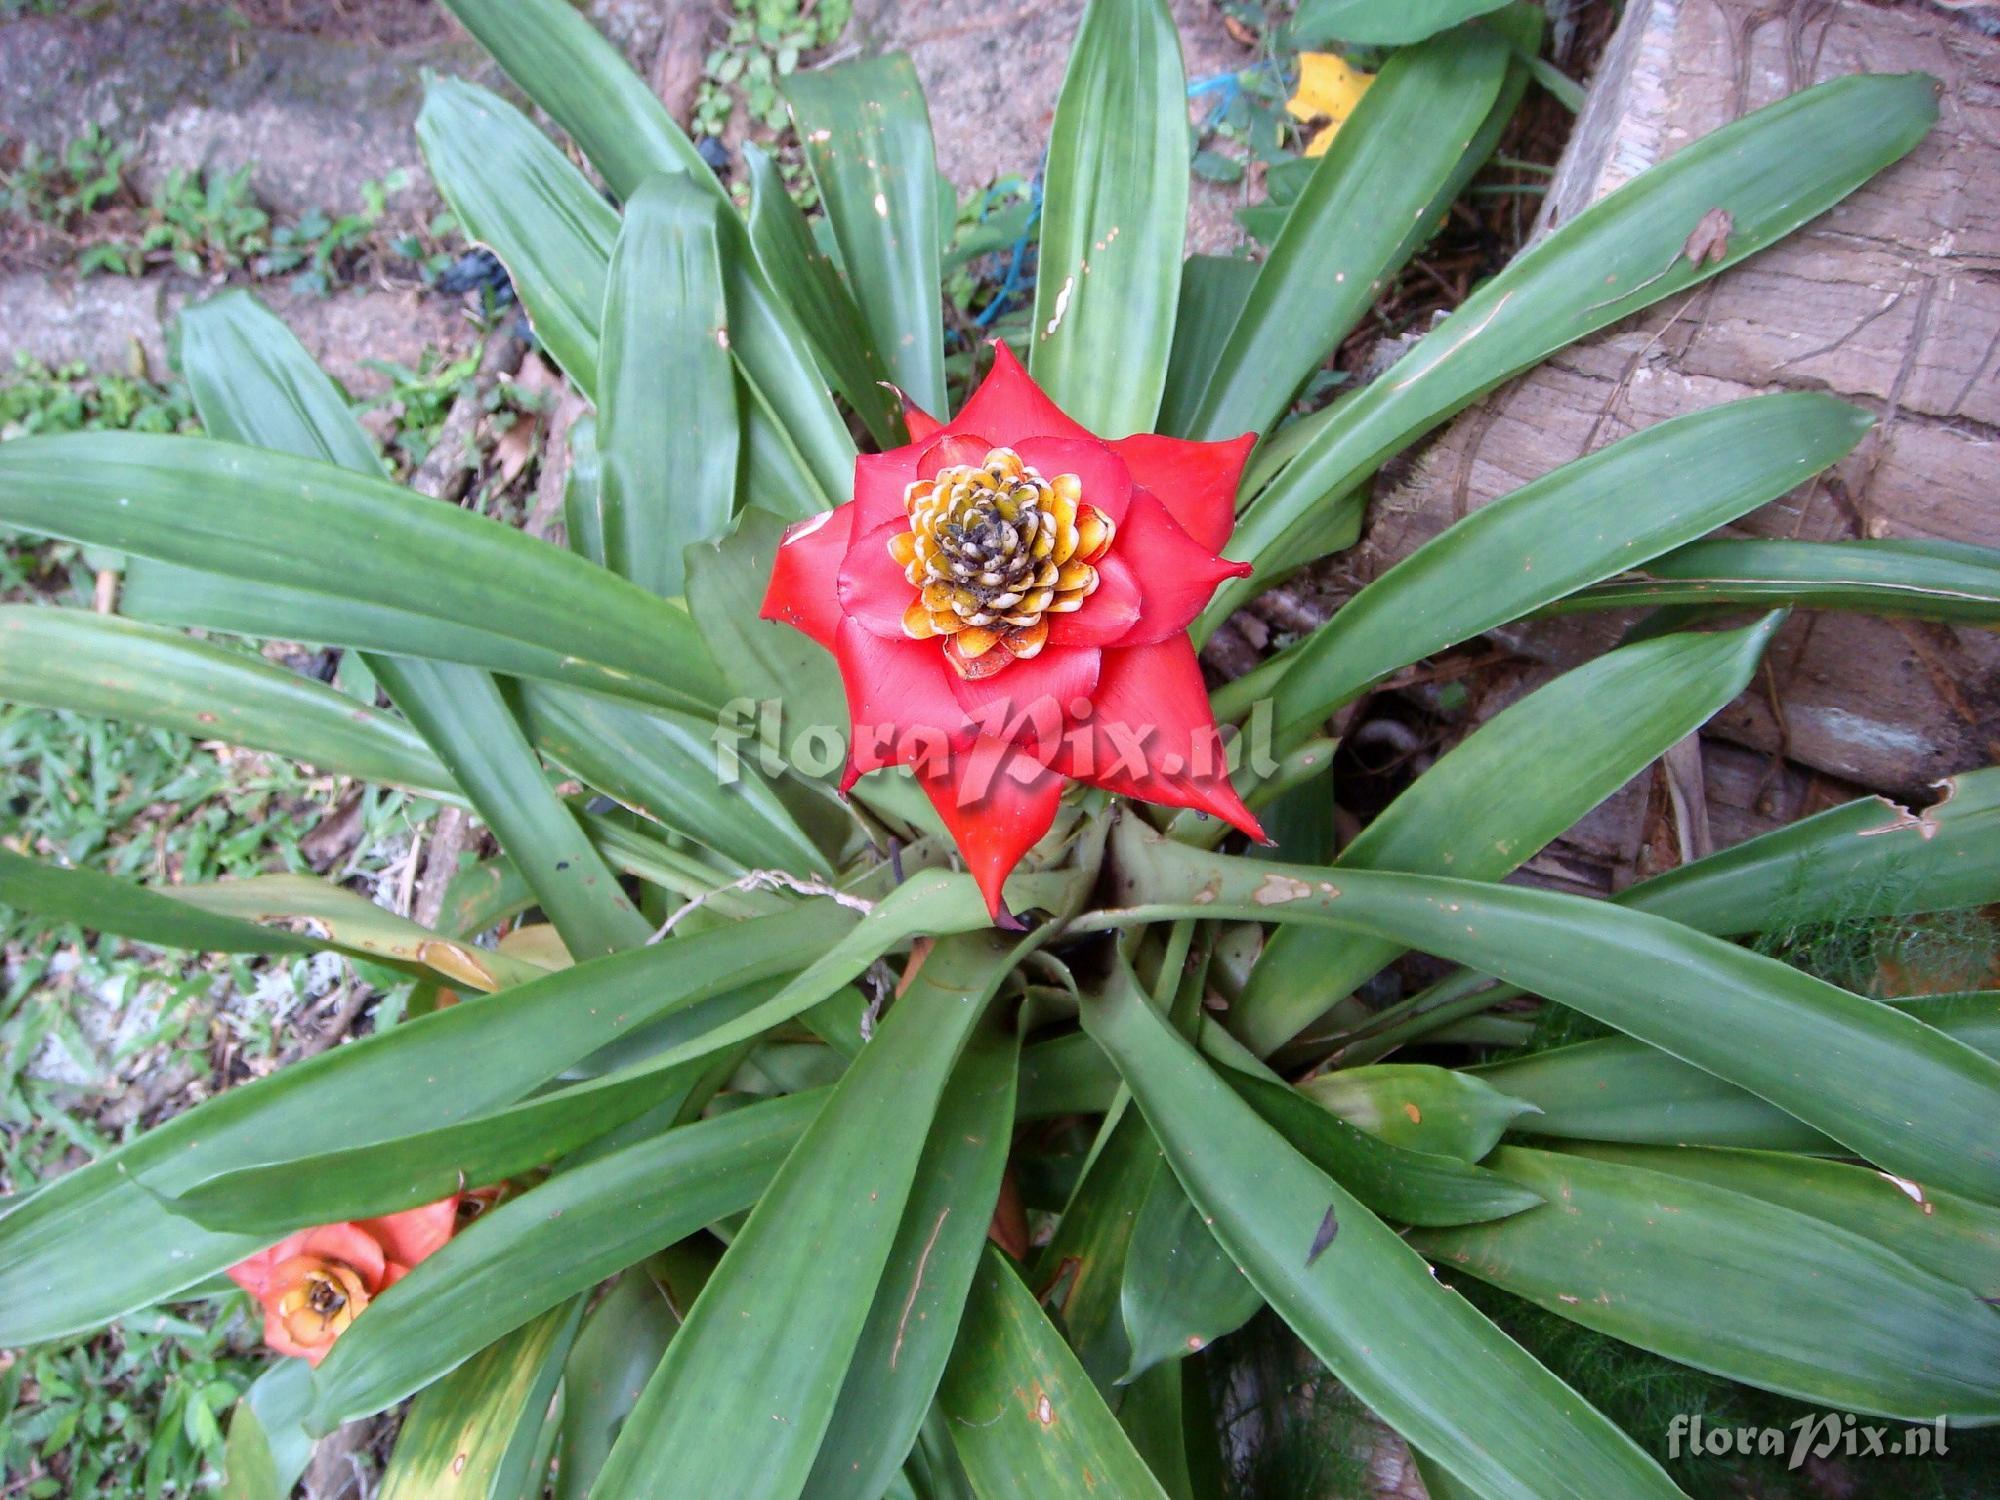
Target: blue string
(1012, 284)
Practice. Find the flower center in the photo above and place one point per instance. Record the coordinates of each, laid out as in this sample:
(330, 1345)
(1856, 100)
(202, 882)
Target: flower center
(320, 1298)
(993, 549)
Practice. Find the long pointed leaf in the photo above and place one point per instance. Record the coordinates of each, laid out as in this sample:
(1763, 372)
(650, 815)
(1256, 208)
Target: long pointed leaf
(1362, 1300)
(1867, 858)
(516, 193)
(742, 1399)
(1895, 1090)
(238, 916)
(1950, 581)
(474, 1432)
(563, 64)
(65, 1250)
(1943, 1233)
(666, 426)
(1381, 23)
(914, 1319)
(1736, 1285)
(561, 1238)
(665, 766)
(1586, 521)
(121, 669)
(1371, 200)
(1114, 218)
(1500, 796)
(794, 263)
(1024, 1416)
(868, 138)
(210, 505)
(1621, 1090)
(1770, 172)
(254, 383)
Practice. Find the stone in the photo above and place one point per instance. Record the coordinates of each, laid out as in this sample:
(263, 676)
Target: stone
(314, 118)
(991, 76)
(98, 321)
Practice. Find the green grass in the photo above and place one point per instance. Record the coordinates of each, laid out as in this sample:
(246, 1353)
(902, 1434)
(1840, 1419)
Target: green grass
(100, 1038)
(136, 1412)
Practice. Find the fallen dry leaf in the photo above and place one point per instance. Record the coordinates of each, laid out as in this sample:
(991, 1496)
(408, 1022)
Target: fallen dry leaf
(1328, 90)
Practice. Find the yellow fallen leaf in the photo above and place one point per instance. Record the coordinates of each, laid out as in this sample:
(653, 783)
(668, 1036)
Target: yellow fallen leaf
(1328, 90)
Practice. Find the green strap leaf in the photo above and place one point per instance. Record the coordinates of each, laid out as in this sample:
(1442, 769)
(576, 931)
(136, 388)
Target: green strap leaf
(1940, 1232)
(516, 193)
(1023, 1415)
(1411, 1187)
(561, 1238)
(434, 569)
(1950, 581)
(1501, 795)
(114, 668)
(1180, 1291)
(1770, 172)
(802, 272)
(1085, 1260)
(667, 429)
(1370, 202)
(1736, 1285)
(268, 1449)
(412, 1170)
(775, 355)
(1586, 521)
(1867, 858)
(1899, 1092)
(667, 767)
(65, 1250)
(1214, 289)
(234, 917)
(773, 1332)
(1381, 23)
(1114, 219)
(254, 383)
(1362, 1300)
(583, 492)
(561, 62)
(868, 138)
(620, 1341)
(914, 1318)
(270, 394)
(461, 712)
(1618, 1089)
(477, 1432)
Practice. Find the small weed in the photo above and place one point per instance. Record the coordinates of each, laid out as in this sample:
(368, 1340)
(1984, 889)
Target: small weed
(321, 249)
(137, 1411)
(61, 188)
(206, 223)
(39, 399)
(419, 399)
(766, 38)
(763, 46)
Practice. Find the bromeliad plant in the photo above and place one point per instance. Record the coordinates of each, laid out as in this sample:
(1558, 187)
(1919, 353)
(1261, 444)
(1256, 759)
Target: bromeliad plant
(768, 1064)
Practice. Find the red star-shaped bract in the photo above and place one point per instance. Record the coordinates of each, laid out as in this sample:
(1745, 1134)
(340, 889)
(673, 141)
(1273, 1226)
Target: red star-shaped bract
(1112, 696)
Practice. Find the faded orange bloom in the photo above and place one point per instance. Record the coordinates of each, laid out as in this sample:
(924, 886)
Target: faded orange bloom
(312, 1284)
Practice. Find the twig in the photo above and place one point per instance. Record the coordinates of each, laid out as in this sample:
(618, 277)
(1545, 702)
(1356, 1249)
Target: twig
(765, 880)
(448, 833)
